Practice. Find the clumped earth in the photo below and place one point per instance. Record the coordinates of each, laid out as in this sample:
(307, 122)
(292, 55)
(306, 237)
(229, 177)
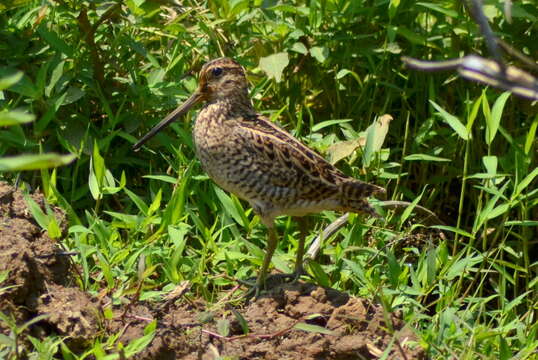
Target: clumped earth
(39, 275)
(292, 321)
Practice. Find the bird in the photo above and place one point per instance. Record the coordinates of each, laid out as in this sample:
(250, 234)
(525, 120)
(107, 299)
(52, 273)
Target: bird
(246, 154)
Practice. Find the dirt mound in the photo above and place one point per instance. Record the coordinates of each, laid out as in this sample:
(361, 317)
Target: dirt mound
(292, 321)
(26, 252)
(345, 328)
(38, 274)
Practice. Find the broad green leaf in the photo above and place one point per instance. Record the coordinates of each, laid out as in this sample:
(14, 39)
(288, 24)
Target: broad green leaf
(344, 72)
(11, 4)
(486, 110)
(156, 77)
(31, 322)
(155, 204)
(72, 95)
(303, 10)
(413, 36)
(484, 215)
(55, 41)
(474, 112)
(3, 276)
(452, 121)
(300, 48)
(486, 176)
(44, 121)
(375, 136)
(229, 206)
(241, 320)
(281, 263)
(439, 8)
(40, 217)
(241, 211)
(109, 183)
(319, 274)
(98, 164)
(57, 73)
(490, 162)
(15, 117)
(431, 266)
(393, 269)
(164, 178)
(521, 223)
(531, 135)
(41, 77)
(93, 184)
(177, 236)
(454, 230)
(505, 353)
(525, 182)
(175, 207)
(464, 264)
(393, 8)
(223, 327)
(273, 65)
(76, 229)
(23, 86)
(9, 79)
(4, 339)
(409, 209)
(326, 123)
(498, 210)
(126, 221)
(358, 270)
(319, 53)
(34, 162)
(496, 114)
(139, 344)
(53, 229)
(424, 157)
(343, 149)
(313, 328)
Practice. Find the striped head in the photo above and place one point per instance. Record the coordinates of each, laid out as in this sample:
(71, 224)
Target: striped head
(219, 79)
(222, 78)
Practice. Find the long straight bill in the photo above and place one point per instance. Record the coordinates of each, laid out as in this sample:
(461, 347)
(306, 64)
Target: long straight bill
(174, 115)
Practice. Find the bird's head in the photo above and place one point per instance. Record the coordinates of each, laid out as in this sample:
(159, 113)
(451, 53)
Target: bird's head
(222, 78)
(219, 79)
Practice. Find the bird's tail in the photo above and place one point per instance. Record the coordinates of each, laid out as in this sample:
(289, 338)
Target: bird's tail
(354, 196)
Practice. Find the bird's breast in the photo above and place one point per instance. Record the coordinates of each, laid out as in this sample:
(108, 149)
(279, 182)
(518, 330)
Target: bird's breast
(219, 151)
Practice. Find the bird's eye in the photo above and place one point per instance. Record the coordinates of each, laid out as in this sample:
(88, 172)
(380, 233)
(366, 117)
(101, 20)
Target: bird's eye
(216, 71)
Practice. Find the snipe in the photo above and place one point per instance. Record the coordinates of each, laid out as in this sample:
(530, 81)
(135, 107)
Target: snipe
(249, 156)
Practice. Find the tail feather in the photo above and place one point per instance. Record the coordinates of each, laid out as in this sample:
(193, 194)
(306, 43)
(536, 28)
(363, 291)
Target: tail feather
(356, 190)
(354, 196)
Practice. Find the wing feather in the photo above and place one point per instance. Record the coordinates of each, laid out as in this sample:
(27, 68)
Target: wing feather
(287, 162)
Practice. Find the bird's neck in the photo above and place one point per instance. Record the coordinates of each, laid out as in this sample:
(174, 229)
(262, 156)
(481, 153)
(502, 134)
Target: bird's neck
(231, 106)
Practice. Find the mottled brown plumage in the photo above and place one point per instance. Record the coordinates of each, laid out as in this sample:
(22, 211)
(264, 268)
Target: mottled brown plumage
(246, 154)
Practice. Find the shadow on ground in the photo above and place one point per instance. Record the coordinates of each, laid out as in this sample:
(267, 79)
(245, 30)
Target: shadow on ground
(292, 321)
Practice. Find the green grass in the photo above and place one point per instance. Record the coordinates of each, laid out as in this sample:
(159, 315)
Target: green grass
(153, 217)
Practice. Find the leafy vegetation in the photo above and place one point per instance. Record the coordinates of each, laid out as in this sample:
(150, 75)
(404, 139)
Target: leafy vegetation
(97, 75)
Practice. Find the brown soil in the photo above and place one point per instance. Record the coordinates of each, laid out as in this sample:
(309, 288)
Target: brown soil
(39, 276)
(41, 282)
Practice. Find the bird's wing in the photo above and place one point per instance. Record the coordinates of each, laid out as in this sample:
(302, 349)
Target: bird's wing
(288, 163)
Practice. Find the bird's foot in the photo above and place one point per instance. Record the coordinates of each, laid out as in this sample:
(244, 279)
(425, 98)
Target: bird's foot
(290, 278)
(256, 288)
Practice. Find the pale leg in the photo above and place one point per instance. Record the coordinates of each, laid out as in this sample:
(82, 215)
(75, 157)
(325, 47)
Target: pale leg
(299, 259)
(271, 246)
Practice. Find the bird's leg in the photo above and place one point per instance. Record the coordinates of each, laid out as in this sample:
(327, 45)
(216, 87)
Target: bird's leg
(271, 246)
(299, 270)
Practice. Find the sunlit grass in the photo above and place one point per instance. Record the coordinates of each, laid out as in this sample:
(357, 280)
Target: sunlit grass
(154, 218)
